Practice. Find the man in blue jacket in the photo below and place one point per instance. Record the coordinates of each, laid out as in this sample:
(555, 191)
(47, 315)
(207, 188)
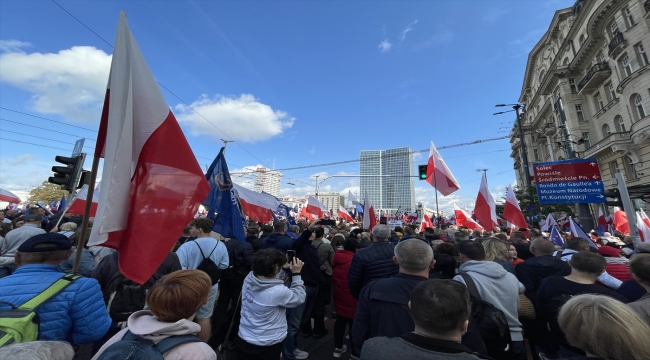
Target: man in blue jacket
(373, 262)
(77, 314)
(278, 239)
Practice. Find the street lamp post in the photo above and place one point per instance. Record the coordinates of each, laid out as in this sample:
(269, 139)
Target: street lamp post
(524, 153)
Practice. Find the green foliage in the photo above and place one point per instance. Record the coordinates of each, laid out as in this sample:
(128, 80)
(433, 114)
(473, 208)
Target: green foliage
(46, 192)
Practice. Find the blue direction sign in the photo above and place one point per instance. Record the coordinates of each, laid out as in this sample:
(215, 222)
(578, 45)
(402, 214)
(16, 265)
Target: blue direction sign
(569, 182)
(78, 147)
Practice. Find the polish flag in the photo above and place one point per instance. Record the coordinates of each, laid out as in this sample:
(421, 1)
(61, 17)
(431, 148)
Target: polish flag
(256, 205)
(78, 204)
(511, 210)
(426, 223)
(485, 208)
(315, 207)
(643, 225)
(439, 175)
(153, 184)
(602, 221)
(463, 218)
(549, 222)
(8, 196)
(343, 214)
(369, 219)
(620, 221)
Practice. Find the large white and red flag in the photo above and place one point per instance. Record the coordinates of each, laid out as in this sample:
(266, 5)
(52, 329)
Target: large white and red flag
(78, 204)
(369, 219)
(439, 175)
(511, 210)
(151, 189)
(426, 223)
(643, 225)
(463, 218)
(485, 209)
(620, 221)
(343, 214)
(256, 205)
(8, 196)
(315, 207)
(549, 222)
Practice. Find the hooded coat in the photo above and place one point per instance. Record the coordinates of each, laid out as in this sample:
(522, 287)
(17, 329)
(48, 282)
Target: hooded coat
(498, 287)
(532, 271)
(145, 325)
(344, 304)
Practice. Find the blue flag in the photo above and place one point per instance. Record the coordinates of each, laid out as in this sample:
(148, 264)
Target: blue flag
(53, 203)
(62, 204)
(275, 218)
(290, 220)
(555, 237)
(282, 210)
(223, 201)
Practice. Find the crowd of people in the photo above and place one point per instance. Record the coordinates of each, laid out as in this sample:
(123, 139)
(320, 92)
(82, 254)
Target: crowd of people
(442, 293)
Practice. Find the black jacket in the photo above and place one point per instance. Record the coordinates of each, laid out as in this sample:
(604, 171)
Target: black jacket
(240, 258)
(278, 241)
(310, 274)
(523, 251)
(371, 263)
(383, 308)
(532, 271)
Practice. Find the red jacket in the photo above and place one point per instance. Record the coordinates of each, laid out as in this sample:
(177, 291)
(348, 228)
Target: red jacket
(344, 304)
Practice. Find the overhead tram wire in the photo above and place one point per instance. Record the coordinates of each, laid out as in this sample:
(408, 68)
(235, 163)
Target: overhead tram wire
(29, 143)
(39, 137)
(40, 117)
(164, 87)
(38, 127)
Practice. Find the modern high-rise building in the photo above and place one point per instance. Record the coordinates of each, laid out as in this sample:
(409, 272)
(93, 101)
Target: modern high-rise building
(268, 181)
(388, 194)
(331, 200)
(586, 92)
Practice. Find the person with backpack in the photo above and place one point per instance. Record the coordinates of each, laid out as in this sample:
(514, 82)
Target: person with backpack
(166, 330)
(68, 307)
(555, 291)
(489, 282)
(209, 255)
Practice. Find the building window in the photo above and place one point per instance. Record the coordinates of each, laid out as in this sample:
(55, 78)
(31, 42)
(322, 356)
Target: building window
(627, 65)
(598, 100)
(606, 131)
(581, 115)
(573, 86)
(640, 110)
(613, 28)
(581, 40)
(612, 91)
(566, 61)
(536, 154)
(620, 124)
(587, 141)
(629, 20)
(629, 169)
(640, 53)
(613, 168)
(602, 57)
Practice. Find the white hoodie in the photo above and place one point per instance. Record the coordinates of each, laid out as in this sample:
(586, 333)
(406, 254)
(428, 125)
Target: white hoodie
(144, 324)
(263, 308)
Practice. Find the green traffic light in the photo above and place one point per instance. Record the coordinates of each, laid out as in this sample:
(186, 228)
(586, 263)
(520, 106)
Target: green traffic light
(423, 176)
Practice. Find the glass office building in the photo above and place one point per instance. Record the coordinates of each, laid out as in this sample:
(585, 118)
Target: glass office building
(388, 194)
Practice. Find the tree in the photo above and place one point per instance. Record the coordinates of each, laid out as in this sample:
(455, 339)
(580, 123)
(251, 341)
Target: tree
(46, 192)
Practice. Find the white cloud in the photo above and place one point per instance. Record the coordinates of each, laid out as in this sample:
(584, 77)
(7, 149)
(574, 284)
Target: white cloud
(402, 35)
(385, 46)
(70, 83)
(235, 115)
(23, 172)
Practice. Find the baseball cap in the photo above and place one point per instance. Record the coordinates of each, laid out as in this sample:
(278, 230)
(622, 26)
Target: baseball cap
(50, 241)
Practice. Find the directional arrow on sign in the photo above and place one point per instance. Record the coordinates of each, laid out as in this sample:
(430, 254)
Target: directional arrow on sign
(596, 176)
(592, 164)
(600, 196)
(597, 182)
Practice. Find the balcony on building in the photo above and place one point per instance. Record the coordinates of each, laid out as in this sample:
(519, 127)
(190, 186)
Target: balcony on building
(595, 76)
(617, 138)
(617, 44)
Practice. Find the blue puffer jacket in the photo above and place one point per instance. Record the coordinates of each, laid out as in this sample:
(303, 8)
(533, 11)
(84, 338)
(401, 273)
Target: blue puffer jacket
(77, 314)
(371, 263)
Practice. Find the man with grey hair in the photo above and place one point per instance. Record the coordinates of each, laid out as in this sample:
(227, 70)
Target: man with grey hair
(383, 304)
(373, 262)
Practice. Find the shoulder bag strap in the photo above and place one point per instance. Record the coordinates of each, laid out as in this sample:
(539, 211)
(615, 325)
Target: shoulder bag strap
(173, 341)
(321, 243)
(50, 292)
(197, 244)
(471, 285)
(215, 248)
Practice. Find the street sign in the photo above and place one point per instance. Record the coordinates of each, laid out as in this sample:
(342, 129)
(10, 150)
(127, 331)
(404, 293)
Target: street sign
(78, 147)
(575, 181)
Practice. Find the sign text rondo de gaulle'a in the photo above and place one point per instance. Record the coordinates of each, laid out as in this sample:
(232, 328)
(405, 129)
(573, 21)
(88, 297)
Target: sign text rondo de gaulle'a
(574, 181)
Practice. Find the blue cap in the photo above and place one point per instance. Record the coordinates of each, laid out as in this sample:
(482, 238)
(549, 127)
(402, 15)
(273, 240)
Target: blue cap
(45, 242)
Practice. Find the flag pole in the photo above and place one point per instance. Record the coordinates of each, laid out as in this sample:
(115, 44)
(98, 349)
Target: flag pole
(81, 243)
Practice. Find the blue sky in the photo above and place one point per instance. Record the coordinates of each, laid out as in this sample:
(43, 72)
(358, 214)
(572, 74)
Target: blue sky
(293, 82)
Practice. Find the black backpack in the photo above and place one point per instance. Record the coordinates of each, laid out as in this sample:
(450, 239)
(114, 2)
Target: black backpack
(208, 266)
(133, 347)
(123, 297)
(491, 322)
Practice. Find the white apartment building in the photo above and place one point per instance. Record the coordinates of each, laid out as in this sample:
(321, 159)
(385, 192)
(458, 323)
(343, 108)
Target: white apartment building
(587, 90)
(268, 181)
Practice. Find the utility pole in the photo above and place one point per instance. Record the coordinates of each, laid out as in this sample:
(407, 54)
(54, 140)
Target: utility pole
(484, 173)
(524, 153)
(225, 144)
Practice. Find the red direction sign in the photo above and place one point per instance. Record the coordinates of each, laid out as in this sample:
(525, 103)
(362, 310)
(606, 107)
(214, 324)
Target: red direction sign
(562, 172)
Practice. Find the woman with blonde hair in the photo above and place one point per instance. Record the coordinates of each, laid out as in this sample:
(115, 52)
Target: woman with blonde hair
(497, 251)
(604, 328)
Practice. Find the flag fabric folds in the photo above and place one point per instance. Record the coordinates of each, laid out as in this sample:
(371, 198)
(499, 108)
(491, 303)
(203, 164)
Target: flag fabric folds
(369, 219)
(78, 203)
(353, 199)
(643, 225)
(463, 218)
(148, 182)
(485, 208)
(315, 207)
(62, 204)
(549, 222)
(438, 174)
(222, 200)
(257, 206)
(426, 223)
(8, 196)
(511, 210)
(602, 221)
(577, 231)
(555, 237)
(343, 214)
(620, 221)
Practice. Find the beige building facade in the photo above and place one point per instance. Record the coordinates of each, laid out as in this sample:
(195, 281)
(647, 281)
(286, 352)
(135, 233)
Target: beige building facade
(587, 91)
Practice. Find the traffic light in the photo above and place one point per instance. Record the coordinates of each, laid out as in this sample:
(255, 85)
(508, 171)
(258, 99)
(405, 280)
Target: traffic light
(614, 193)
(67, 176)
(422, 171)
